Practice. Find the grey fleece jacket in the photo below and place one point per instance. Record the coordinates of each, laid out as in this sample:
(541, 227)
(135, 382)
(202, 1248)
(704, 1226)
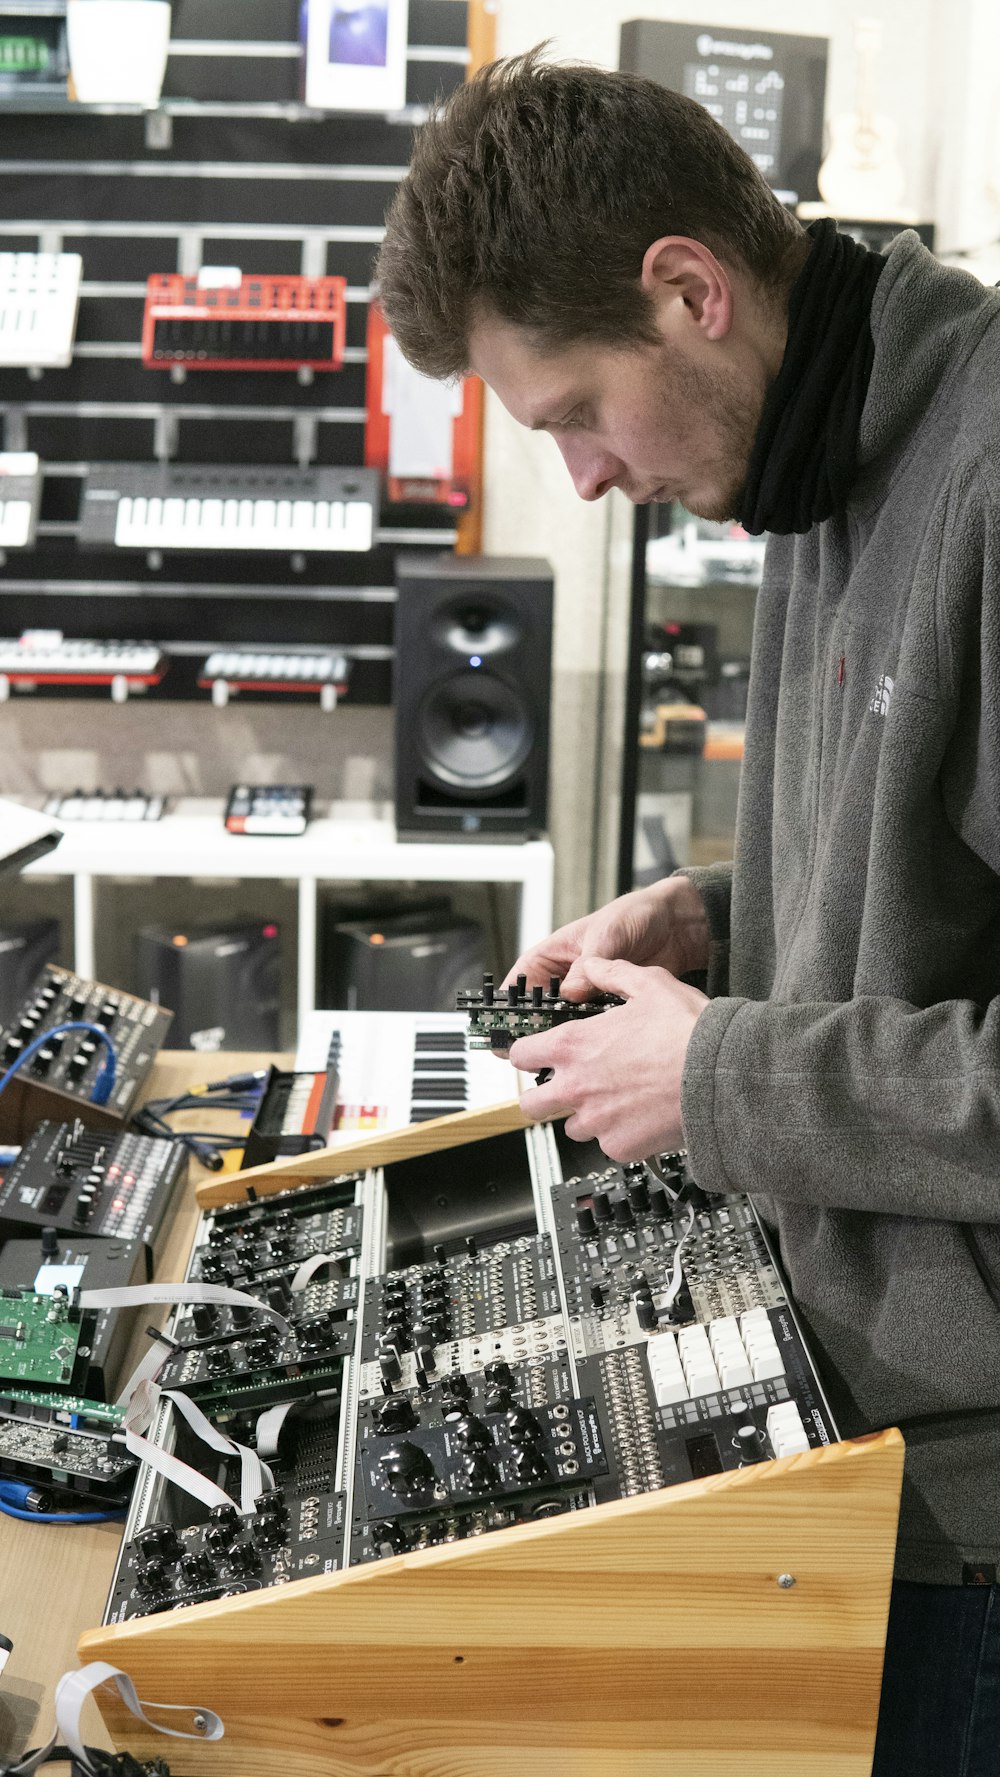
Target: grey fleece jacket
(847, 1068)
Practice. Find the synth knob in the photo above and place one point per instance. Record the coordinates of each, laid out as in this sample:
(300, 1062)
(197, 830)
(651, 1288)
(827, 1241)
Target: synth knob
(498, 1400)
(272, 1504)
(390, 1367)
(407, 1468)
(470, 1433)
(214, 1271)
(586, 1222)
(457, 1384)
(478, 1472)
(658, 1203)
(623, 1212)
(602, 1206)
(388, 1538)
(499, 1372)
(279, 1294)
(107, 1014)
(218, 1359)
(44, 1059)
(522, 1426)
(314, 1334)
(645, 1310)
(244, 1557)
(394, 1414)
(637, 1186)
(530, 1464)
(223, 1525)
(158, 1542)
(205, 1318)
(196, 1567)
(597, 1295)
(425, 1361)
(751, 1444)
(151, 1577)
(241, 1317)
(50, 1243)
(260, 1349)
(432, 1330)
(218, 1236)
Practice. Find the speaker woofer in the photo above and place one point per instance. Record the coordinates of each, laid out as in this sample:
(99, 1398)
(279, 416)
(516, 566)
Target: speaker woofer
(473, 730)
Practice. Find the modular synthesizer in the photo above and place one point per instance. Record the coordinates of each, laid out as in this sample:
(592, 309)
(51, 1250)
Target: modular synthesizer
(457, 1343)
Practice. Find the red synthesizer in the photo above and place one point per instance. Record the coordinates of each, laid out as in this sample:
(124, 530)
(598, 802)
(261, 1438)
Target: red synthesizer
(262, 323)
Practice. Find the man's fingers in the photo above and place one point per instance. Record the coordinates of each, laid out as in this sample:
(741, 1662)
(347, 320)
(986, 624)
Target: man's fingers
(544, 1103)
(611, 975)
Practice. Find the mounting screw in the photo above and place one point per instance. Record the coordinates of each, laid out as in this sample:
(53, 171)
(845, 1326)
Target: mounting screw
(786, 1581)
(200, 1723)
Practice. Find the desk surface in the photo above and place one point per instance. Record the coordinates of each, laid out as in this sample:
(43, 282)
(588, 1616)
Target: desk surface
(54, 1578)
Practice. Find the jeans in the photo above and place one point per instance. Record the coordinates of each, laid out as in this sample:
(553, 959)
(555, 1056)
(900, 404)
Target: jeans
(940, 1709)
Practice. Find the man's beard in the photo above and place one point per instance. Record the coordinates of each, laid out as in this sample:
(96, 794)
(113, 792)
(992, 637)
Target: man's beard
(728, 414)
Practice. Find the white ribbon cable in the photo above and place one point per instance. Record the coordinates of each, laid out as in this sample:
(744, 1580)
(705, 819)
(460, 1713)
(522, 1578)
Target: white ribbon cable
(255, 1476)
(74, 1688)
(309, 1267)
(677, 1275)
(270, 1426)
(138, 1414)
(145, 1370)
(178, 1293)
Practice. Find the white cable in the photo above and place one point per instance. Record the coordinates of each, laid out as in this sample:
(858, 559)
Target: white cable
(138, 1414)
(677, 1275)
(74, 1688)
(309, 1267)
(134, 1294)
(255, 1476)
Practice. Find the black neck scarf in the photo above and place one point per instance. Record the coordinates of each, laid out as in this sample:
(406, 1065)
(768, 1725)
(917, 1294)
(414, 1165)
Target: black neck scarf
(804, 456)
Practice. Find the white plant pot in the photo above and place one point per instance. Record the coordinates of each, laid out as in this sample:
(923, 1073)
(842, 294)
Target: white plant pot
(118, 50)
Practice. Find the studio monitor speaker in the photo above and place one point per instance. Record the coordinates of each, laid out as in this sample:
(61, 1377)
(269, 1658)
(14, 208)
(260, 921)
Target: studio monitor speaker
(471, 687)
(221, 983)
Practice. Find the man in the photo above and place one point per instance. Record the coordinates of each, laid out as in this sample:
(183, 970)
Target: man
(616, 270)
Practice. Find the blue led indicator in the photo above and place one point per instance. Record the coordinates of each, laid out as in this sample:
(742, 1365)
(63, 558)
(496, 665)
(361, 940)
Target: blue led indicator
(475, 660)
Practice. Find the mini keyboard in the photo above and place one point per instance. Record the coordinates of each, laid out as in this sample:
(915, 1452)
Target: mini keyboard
(49, 660)
(20, 497)
(39, 296)
(104, 805)
(274, 672)
(222, 321)
(177, 507)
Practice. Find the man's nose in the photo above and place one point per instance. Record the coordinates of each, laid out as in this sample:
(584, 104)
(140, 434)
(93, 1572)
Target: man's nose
(593, 471)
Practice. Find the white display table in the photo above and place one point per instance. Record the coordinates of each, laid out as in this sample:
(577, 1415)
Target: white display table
(353, 842)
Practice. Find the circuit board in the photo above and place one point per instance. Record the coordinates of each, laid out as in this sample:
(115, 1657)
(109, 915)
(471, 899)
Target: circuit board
(496, 1020)
(41, 1338)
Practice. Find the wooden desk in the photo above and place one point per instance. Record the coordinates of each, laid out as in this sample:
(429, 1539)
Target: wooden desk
(54, 1578)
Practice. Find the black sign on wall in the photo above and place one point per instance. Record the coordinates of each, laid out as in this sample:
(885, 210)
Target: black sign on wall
(767, 88)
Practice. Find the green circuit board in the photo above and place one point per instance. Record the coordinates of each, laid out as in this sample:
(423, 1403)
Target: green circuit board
(40, 1338)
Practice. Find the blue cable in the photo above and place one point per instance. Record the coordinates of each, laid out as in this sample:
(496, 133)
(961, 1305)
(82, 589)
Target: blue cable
(14, 1496)
(105, 1078)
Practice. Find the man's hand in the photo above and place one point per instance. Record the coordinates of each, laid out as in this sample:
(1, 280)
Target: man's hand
(617, 1076)
(665, 925)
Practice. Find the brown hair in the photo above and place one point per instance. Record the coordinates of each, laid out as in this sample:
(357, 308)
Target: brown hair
(533, 193)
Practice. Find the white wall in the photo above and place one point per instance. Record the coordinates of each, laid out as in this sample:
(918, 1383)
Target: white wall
(930, 54)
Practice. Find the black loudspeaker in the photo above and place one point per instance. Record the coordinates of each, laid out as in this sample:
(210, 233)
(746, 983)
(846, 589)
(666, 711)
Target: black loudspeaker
(25, 947)
(409, 962)
(471, 686)
(222, 984)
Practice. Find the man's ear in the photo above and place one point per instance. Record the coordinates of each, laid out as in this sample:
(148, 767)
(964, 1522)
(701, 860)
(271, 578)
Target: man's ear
(678, 272)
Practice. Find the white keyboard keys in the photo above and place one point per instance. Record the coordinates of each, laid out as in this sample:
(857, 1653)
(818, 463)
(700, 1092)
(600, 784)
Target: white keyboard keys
(786, 1430)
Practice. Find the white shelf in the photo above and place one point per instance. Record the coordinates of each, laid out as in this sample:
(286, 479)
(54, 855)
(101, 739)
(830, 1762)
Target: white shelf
(352, 842)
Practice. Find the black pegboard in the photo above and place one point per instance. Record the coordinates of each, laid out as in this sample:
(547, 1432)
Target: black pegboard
(232, 170)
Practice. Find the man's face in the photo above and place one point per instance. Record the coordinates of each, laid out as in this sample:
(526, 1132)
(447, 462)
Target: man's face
(660, 422)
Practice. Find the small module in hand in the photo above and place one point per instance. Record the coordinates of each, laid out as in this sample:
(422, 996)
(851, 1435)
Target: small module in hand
(496, 1020)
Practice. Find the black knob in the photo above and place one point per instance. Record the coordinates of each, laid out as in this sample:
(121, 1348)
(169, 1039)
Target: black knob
(586, 1221)
(316, 1333)
(432, 1330)
(241, 1317)
(498, 1400)
(530, 1464)
(388, 1538)
(597, 1295)
(658, 1203)
(260, 1349)
(645, 1310)
(218, 1236)
(623, 1212)
(751, 1444)
(223, 1524)
(478, 1472)
(499, 1372)
(151, 1577)
(197, 1567)
(44, 1059)
(602, 1206)
(395, 1414)
(50, 1243)
(244, 1558)
(218, 1359)
(522, 1426)
(470, 1433)
(408, 1468)
(395, 1337)
(390, 1367)
(425, 1360)
(205, 1318)
(107, 1014)
(158, 1541)
(457, 1384)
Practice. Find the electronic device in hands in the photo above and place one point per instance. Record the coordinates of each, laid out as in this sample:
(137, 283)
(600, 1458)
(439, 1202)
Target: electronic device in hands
(496, 1020)
(275, 810)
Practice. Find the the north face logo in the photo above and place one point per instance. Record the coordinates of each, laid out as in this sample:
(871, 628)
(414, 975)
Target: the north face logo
(879, 705)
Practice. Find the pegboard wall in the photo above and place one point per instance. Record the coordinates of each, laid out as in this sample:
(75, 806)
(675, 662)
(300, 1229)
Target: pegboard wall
(230, 170)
